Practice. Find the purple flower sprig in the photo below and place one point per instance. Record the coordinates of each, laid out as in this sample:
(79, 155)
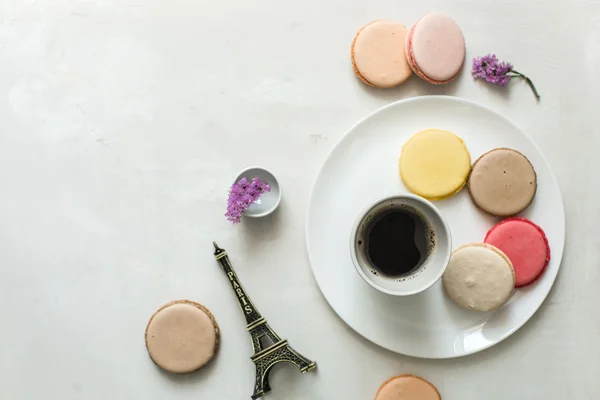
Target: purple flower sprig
(498, 73)
(242, 195)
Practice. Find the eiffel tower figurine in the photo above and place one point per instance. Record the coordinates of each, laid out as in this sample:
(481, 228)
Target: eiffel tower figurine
(265, 355)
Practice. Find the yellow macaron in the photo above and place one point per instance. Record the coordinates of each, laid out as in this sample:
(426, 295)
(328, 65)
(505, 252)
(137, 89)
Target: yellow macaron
(435, 164)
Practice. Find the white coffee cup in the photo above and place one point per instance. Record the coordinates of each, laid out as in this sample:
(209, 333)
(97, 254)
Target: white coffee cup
(433, 263)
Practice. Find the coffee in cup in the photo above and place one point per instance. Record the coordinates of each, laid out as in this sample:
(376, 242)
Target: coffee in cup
(401, 244)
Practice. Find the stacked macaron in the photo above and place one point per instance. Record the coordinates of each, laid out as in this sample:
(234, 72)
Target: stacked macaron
(385, 54)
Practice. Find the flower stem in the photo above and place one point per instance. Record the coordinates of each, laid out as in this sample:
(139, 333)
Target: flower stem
(529, 82)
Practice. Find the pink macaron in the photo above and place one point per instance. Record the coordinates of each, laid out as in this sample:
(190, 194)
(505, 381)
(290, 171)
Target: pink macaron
(435, 48)
(525, 244)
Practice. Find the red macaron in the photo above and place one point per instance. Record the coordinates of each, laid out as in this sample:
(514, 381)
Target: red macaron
(525, 244)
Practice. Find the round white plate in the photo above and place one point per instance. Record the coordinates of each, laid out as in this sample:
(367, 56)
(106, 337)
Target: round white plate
(363, 167)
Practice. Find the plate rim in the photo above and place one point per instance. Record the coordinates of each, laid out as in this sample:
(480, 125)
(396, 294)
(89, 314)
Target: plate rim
(456, 99)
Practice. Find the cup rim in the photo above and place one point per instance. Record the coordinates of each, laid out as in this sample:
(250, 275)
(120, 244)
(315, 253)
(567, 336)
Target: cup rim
(426, 203)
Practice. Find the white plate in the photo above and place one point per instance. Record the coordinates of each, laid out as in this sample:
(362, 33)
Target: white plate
(362, 167)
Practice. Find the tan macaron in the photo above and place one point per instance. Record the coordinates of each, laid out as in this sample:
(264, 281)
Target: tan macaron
(182, 336)
(378, 54)
(407, 387)
(502, 182)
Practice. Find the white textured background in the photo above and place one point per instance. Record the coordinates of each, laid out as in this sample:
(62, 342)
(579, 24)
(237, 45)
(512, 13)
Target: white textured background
(123, 122)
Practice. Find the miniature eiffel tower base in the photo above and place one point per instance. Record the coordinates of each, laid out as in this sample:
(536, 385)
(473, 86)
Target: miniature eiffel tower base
(277, 353)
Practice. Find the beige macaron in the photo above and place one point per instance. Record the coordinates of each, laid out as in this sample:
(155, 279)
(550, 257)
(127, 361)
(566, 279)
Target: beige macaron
(502, 182)
(182, 336)
(479, 277)
(378, 54)
(407, 387)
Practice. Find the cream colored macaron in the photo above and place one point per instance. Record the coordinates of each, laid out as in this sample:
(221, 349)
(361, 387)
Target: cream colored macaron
(479, 277)
(182, 337)
(407, 387)
(378, 55)
(434, 164)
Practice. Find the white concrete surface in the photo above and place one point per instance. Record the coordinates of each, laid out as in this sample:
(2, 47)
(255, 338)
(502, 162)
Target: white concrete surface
(123, 122)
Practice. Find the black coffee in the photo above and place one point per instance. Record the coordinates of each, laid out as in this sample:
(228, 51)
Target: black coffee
(398, 241)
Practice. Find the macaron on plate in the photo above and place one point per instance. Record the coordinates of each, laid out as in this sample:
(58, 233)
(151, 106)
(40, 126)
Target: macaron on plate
(492, 185)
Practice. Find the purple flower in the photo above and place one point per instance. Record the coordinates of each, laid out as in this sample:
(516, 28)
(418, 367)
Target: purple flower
(490, 69)
(493, 71)
(242, 195)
